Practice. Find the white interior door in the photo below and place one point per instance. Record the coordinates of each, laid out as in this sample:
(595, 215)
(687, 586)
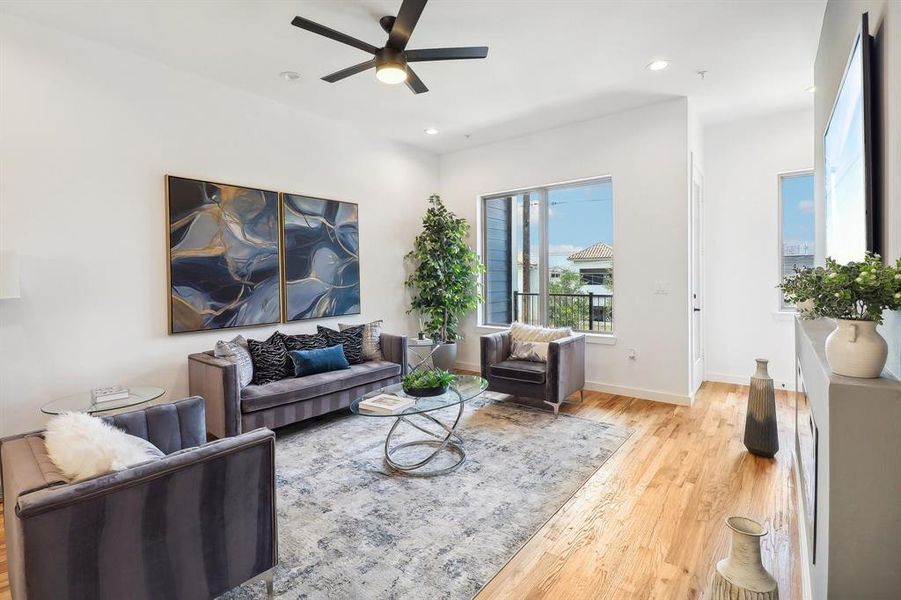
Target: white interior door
(697, 254)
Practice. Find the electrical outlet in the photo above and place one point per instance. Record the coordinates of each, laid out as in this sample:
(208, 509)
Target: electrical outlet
(632, 354)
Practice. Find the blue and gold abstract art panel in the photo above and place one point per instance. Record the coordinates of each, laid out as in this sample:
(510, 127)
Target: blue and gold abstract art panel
(321, 257)
(223, 256)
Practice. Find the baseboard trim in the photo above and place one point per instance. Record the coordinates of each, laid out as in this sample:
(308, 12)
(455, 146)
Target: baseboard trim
(746, 380)
(644, 394)
(596, 386)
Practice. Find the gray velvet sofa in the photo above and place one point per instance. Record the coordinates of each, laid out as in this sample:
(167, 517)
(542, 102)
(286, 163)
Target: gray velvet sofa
(231, 410)
(191, 525)
(553, 382)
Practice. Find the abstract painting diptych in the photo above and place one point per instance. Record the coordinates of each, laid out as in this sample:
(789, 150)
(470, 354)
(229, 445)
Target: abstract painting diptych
(224, 256)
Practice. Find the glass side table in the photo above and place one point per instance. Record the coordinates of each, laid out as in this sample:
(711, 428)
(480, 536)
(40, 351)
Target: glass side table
(419, 353)
(84, 403)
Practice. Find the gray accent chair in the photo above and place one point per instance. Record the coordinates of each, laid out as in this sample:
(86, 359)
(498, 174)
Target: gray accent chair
(191, 525)
(553, 382)
(231, 410)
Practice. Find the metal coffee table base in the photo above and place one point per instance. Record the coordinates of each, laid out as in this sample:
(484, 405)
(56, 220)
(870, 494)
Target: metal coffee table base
(451, 441)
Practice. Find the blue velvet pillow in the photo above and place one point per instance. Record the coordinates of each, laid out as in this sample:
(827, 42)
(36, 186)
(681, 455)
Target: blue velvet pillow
(320, 360)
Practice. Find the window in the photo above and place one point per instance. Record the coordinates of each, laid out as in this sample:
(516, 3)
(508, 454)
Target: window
(548, 255)
(796, 224)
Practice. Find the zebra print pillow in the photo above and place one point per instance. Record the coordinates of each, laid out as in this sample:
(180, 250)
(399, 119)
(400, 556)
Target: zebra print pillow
(372, 339)
(269, 359)
(351, 339)
(312, 341)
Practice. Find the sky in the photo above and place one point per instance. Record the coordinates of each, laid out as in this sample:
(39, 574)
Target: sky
(797, 210)
(578, 217)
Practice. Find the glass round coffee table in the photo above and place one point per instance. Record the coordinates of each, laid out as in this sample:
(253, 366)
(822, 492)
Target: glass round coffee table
(84, 403)
(464, 388)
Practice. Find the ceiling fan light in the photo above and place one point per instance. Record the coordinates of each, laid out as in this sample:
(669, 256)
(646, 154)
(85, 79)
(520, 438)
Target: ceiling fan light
(391, 73)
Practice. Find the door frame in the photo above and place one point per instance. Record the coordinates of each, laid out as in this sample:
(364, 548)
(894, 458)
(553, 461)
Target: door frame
(696, 277)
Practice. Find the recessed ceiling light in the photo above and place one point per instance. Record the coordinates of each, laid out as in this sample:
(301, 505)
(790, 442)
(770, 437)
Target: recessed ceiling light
(431, 131)
(810, 89)
(289, 75)
(658, 65)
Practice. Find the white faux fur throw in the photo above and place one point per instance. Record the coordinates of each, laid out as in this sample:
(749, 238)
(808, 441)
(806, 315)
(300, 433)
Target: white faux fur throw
(82, 446)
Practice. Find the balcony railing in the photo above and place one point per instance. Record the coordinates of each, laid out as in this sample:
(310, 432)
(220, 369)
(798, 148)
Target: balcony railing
(582, 312)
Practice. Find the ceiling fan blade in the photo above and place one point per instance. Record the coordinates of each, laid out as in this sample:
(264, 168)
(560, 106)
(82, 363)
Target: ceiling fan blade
(426, 54)
(332, 34)
(344, 73)
(415, 83)
(406, 20)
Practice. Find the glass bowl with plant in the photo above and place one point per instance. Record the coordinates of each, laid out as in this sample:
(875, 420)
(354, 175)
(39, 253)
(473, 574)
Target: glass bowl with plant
(431, 382)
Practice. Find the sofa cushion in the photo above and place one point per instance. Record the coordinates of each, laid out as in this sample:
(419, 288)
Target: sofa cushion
(320, 360)
(534, 333)
(372, 339)
(286, 391)
(236, 351)
(269, 359)
(304, 341)
(520, 370)
(351, 338)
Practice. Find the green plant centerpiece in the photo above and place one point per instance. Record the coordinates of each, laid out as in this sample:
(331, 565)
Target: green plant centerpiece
(445, 278)
(431, 382)
(857, 291)
(856, 295)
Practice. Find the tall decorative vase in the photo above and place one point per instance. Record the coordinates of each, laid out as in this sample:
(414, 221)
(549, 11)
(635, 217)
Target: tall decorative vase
(741, 576)
(855, 349)
(761, 429)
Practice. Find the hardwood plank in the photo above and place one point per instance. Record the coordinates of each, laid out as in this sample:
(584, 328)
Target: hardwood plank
(649, 523)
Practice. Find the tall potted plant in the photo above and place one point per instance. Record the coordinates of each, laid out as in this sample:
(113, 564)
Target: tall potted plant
(855, 295)
(445, 278)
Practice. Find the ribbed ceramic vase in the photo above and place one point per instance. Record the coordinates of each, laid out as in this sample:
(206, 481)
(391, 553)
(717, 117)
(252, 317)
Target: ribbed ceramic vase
(855, 349)
(761, 429)
(741, 576)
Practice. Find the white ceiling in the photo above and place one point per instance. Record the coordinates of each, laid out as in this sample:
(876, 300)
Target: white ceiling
(550, 62)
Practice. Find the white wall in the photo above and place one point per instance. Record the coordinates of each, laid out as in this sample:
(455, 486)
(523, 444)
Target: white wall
(741, 233)
(645, 152)
(87, 134)
(840, 24)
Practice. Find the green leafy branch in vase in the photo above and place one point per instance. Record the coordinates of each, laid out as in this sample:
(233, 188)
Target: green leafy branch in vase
(859, 291)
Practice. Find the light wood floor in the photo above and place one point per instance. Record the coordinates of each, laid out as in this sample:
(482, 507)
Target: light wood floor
(649, 523)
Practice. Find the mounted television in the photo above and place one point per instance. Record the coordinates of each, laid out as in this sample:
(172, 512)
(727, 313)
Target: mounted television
(851, 227)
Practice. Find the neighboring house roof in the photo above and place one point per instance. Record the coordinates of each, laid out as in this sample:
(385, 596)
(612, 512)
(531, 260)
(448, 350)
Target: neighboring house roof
(593, 252)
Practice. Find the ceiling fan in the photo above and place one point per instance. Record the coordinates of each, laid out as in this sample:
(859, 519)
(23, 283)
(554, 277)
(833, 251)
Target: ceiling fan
(391, 60)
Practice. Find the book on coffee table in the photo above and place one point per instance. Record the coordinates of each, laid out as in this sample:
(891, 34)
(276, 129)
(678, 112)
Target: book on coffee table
(109, 393)
(386, 404)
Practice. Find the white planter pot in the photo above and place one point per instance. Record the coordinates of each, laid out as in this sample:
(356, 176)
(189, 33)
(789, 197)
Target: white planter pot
(445, 357)
(855, 349)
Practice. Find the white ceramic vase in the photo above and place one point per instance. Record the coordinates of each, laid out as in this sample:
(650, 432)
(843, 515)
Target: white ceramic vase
(741, 576)
(855, 349)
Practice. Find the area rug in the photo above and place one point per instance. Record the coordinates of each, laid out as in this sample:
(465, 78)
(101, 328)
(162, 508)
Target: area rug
(349, 527)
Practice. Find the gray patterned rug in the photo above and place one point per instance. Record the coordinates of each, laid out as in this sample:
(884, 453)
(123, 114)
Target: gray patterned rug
(350, 528)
